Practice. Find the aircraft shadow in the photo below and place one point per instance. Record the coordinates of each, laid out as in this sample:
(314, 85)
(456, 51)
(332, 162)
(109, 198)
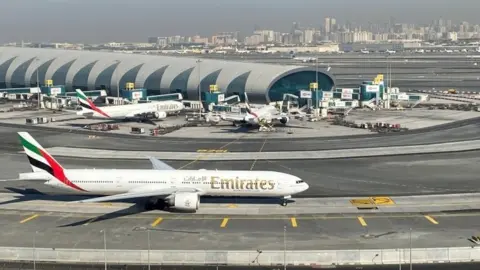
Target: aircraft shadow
(132, 210)
(279, 128)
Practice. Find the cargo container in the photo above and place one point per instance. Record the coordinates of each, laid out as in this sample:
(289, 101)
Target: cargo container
(134, 94)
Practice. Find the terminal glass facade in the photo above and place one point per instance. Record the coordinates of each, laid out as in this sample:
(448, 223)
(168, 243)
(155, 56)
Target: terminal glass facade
(237, 86)
(18, 76)
(42, 70)
(3, 72)
(152, 82)
(60, 76)
(105, 78)
(180, 83)
(80, 80)
(209, 80)
(130, 76)
(293, 83)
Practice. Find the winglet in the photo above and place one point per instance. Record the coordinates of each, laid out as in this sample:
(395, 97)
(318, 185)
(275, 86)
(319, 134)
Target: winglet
(87, 104)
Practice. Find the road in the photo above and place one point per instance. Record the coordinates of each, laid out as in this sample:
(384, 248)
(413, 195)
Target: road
(458, 131)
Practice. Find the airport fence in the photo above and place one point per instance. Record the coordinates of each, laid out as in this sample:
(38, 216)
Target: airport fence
(243, 258)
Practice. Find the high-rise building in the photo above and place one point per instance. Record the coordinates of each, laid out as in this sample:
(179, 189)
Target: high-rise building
(327, 25)
(333, 25)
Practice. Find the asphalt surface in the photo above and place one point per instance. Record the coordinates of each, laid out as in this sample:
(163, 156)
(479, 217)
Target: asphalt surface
(457, 131)
(415, 71)
(204, 232)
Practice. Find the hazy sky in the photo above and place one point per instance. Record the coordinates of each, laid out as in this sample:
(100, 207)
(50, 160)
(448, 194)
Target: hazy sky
(135, 20)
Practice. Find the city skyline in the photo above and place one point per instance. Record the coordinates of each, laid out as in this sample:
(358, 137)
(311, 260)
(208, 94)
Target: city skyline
(120, 20)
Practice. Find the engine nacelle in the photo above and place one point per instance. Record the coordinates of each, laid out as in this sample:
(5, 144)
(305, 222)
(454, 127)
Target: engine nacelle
(184, 201)
(285, 120)
(160, 115)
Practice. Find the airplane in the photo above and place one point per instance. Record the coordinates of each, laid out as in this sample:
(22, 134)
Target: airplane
(391, 51)
(155, 110)
(163, 187)
(263, 116)
(305, 59)
(364, 51)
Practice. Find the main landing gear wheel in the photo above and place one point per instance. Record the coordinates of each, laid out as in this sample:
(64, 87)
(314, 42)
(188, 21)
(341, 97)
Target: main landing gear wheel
(284, 202)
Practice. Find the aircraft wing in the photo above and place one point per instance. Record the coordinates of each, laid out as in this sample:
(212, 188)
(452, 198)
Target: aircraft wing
(139, 112)
(159, 165)
(233, 117)
(141, 194)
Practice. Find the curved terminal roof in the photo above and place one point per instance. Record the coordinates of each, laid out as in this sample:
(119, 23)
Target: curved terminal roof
(159, 74)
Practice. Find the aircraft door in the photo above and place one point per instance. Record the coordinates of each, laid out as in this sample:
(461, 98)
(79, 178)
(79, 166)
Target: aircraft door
(173, 182)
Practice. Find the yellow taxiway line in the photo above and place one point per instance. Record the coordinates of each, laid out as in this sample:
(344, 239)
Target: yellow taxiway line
(431, 219)
(156, 222)
(362, 221)
(294, 222)
(29, 218)
(224, 223)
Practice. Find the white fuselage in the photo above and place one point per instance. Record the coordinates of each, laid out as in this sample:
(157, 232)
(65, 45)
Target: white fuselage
(127, 111)
(209, 182)
(262, 114)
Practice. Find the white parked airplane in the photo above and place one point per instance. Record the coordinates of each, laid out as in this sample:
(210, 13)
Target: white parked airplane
(163, 186)
(155, 110)
(305, 59)
(262, 116)
(391, 52)
(364, 51)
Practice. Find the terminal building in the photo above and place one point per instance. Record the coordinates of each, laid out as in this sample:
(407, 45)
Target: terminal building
(25, 67)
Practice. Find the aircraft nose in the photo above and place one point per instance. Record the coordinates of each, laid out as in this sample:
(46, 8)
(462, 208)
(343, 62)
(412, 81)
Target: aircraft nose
(305, 186)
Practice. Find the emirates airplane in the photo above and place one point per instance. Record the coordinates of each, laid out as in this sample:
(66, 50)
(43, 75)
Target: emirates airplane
(155, 110)
(162, 186)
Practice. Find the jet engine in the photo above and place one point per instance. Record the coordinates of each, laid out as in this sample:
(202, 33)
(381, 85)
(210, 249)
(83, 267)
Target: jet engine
(160, 115)
(284, 120)
(184, 201)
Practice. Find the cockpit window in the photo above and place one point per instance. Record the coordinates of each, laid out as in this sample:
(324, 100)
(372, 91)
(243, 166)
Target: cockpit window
(299, 182)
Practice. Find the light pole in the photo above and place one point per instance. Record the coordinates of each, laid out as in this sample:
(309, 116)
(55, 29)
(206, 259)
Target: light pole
(104, 247)
(34, 251)
(410, 248)
(284, 247)
(148, 236)
(38, 85)
(199, 85)
(116, 77)
(399, 259)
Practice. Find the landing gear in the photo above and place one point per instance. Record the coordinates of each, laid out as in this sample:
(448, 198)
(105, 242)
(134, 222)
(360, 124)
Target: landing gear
(284, 202)
(155, 205)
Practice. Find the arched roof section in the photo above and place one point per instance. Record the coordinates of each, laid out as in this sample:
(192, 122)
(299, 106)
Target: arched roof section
(175, 68)
(31, 70)
(17, 78)
(237, 86)
(125, 65)
(60, 75)
(4, 66)
(80, 79)
(62, 58)
(169, 72)
(292, 81)
(42, 70)
(152, 67)
(75, 68)
(17, 62)
(152, 82)
(201, 70)
(208, 80)
(105, 77)
(180, 82)
(130, 76)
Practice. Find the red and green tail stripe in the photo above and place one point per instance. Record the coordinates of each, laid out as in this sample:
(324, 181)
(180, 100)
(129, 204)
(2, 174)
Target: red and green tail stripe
(52, 166)
(86, 103)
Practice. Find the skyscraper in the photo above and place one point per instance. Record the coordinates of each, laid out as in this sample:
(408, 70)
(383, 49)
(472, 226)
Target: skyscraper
(327, 25)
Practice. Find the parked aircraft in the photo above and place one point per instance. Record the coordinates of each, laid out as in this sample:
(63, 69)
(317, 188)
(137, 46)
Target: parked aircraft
(163, 187)
(151, 110)
(263, 116)
(391, 52)
(305, 59)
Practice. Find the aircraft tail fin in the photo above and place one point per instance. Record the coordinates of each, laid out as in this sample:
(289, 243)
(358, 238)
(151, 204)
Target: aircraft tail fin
(41, 161)
(87, 104)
